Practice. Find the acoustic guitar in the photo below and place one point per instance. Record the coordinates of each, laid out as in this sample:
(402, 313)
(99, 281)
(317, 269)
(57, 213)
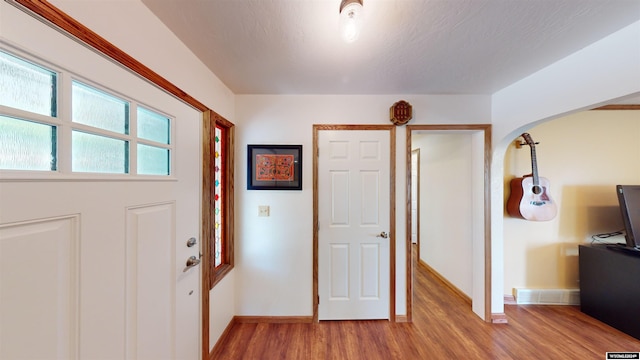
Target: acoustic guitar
(530, 198)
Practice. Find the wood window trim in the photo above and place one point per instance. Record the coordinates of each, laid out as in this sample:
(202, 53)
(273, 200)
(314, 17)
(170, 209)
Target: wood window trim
(216, 274)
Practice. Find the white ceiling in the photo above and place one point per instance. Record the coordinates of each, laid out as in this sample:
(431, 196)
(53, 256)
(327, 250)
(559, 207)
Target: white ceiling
(406, 46)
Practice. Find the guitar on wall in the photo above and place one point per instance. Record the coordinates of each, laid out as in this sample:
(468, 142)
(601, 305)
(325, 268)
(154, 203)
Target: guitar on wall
(530, 198)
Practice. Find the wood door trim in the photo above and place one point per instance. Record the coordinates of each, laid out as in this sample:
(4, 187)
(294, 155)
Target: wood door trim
(619, 107)
(392, 211)
(486, 128)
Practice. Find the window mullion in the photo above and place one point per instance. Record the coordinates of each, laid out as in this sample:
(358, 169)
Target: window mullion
(133, 134)
(64, 129)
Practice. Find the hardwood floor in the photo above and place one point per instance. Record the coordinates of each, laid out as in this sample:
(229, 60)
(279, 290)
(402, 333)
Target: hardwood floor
(444, 327)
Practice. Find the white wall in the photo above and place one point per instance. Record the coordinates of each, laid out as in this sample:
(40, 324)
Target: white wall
(274, 254)
(584, 156)
(602, 72)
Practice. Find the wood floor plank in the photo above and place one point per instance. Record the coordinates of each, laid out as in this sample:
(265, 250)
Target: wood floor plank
(443, 327)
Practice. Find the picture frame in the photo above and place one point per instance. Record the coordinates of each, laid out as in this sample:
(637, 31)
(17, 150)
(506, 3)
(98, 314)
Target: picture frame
(274, 167)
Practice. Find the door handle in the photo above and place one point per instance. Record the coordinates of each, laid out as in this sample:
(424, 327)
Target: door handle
(191, 262)
(383, 235)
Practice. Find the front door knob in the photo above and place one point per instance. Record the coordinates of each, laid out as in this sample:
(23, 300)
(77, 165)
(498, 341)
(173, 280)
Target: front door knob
(191, 262)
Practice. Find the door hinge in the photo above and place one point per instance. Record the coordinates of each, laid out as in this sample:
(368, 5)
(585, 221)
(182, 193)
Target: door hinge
(318, 299)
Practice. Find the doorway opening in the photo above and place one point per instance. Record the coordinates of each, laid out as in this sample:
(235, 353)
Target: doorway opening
(453, 219)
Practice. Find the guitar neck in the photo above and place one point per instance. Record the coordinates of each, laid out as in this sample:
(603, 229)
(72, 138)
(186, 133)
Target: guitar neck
(534, 166)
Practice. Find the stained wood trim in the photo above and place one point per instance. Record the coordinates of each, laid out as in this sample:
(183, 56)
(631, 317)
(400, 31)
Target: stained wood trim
(488, 135)
(273, 319)
(392, 210)
(510, 300)
(392, 227)
(223, 339)
(210, 277)
(486, 128)
(446, 282)
(499, 318)
(314, 292)
(208, 128)
(619, 107)
(228, 221)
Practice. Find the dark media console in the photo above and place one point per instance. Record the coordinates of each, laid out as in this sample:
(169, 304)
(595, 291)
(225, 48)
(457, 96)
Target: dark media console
(610, 286)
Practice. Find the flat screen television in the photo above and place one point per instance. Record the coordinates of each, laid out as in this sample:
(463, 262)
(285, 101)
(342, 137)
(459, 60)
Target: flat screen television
(629, 199)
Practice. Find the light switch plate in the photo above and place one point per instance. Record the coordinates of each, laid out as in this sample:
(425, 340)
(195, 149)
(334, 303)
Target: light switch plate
(263, 210)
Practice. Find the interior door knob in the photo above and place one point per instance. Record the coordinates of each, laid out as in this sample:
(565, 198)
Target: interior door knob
(383, 235)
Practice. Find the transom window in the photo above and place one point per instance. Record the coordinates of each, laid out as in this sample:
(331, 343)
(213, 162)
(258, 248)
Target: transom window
(104, 133)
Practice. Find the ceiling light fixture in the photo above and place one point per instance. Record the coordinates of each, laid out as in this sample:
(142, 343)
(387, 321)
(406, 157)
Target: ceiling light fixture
(350, 19)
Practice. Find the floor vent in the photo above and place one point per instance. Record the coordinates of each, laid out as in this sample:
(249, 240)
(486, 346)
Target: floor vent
(547, 296)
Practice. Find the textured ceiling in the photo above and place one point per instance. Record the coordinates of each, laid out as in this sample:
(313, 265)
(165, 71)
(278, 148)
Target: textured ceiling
(406, 46)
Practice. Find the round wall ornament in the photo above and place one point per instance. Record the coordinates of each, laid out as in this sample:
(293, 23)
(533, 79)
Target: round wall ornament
(401, 112)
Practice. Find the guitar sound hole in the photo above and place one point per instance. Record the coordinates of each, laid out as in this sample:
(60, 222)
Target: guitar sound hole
(537, 190)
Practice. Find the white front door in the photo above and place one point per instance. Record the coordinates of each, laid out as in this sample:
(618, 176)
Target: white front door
(353, 224)
(93, 266)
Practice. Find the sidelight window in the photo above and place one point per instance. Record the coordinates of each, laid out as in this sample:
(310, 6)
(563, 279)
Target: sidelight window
(221, 247)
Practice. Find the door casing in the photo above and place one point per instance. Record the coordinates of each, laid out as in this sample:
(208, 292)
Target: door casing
(392, 199)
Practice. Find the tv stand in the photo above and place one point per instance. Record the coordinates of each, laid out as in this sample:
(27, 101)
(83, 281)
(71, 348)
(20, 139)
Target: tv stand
(610, 286)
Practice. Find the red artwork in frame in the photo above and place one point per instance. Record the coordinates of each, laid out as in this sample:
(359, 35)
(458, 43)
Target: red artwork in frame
(274, 167)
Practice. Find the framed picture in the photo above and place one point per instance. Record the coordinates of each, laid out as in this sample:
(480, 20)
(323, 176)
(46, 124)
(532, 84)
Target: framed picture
(274, 167)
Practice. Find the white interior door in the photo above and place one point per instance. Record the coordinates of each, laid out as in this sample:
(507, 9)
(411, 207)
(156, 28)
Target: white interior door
(354, 222)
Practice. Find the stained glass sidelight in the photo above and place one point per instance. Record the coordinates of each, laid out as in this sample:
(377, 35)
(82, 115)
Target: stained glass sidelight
(218, 196)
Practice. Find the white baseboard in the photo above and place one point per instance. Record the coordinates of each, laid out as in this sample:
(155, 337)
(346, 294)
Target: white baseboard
(547, 296)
